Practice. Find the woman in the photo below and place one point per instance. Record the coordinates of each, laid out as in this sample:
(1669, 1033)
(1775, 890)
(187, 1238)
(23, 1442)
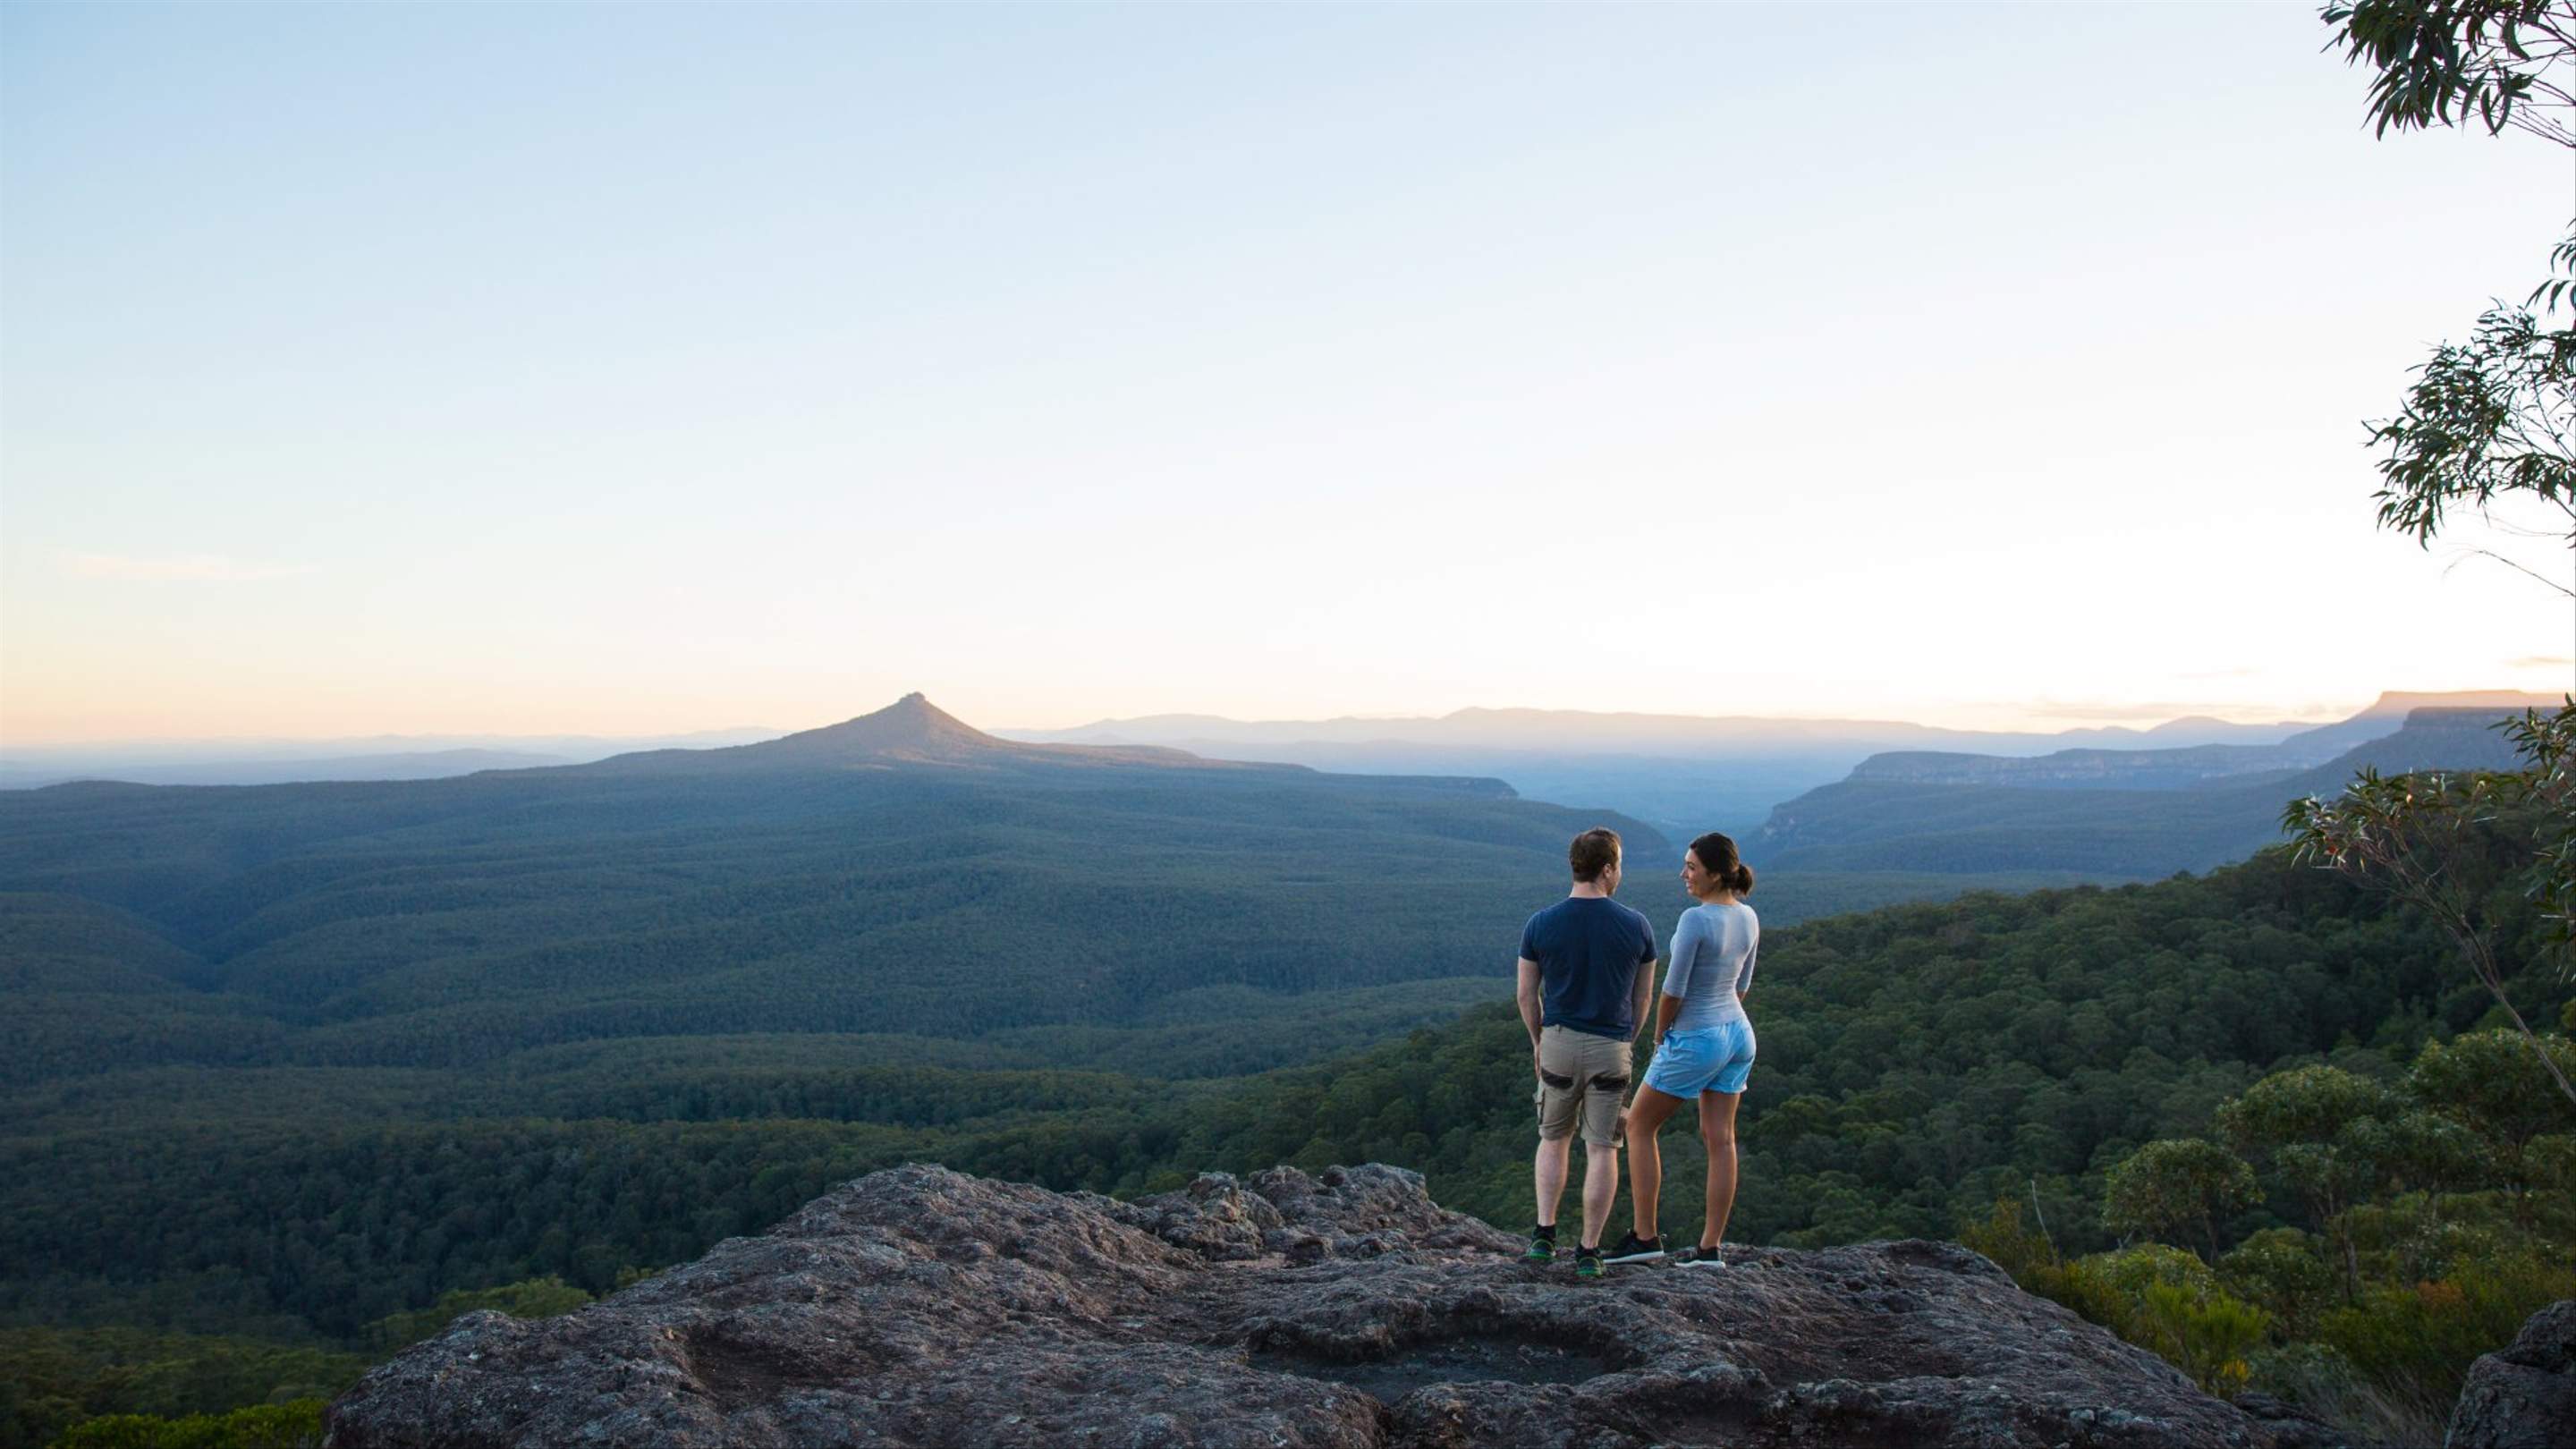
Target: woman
(1703, 1047)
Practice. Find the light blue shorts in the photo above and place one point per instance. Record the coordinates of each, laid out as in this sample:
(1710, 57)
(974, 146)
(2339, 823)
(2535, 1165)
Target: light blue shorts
(1711, 1059)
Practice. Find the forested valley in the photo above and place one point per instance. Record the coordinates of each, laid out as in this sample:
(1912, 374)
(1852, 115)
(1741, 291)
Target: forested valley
(295, 1074)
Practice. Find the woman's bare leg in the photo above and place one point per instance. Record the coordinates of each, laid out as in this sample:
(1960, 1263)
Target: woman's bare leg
(1645, 1162)
(1717, 1131)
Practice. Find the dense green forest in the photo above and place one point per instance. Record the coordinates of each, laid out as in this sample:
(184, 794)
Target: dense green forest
(453, 923)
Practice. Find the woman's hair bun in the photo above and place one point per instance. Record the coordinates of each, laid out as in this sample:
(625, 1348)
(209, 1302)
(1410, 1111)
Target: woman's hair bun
(1717, 856)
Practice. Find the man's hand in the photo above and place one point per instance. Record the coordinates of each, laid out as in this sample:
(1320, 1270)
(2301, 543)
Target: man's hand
(1534, 1066)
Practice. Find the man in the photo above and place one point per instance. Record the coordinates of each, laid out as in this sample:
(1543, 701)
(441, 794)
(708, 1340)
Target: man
(1585, 968)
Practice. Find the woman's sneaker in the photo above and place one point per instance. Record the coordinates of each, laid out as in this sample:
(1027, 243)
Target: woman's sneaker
(1542, 1248)
(1699, 1258)
(1587, 1262)
(1634, 1249)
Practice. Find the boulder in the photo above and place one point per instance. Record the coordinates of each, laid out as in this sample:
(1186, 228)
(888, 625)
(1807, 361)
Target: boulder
(922, 1307)
(2522, 1396)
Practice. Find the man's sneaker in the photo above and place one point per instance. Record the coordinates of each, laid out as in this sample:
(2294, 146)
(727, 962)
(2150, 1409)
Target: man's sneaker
(1699, 1258)
(1542, 1248)
(1587, 1262)
(1634, 1249)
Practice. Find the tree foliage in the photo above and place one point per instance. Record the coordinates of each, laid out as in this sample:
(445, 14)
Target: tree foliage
(2459, 62)
(2426, 1218)
(2487, 419)
(131, 1386)
(2429, 840)
(294, 1425)
(2176, 1183)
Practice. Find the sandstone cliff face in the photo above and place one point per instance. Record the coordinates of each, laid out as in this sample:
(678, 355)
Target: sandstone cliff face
(920, 1307)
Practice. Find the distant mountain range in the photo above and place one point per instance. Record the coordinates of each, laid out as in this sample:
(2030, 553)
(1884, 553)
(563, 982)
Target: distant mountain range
(1681, 773)
(374, 757)
(409, 765)
(1684, 773)
(2137, 814)
(2169, 769)
(1631, 733)
(1687, 773)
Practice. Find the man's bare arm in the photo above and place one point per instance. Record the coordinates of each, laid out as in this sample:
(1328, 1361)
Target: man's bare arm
(1527, 992)
(1645, 984)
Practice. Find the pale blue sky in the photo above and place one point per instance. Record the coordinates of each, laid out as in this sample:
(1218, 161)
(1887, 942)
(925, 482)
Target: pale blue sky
(574, 367)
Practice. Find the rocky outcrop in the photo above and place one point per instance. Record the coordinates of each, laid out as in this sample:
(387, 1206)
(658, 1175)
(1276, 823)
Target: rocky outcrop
(2524, 1396)
(920, 1307)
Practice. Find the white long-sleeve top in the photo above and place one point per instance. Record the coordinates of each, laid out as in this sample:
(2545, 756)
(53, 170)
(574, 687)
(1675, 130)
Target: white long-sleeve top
(1711, 963)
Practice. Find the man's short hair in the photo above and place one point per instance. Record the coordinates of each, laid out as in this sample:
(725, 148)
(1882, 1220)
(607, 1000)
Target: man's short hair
(1593, 852)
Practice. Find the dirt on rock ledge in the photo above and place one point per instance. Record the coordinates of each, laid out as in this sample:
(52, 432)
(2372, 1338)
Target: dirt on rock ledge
(921, 1307)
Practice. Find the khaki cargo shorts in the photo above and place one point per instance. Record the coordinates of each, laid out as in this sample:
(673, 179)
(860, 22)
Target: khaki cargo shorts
(1580, 1074)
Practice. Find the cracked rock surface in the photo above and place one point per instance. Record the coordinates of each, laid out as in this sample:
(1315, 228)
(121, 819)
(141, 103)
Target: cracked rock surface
(921, 1307)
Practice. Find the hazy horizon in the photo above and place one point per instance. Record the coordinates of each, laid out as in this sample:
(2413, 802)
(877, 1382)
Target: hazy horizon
(471, 738)
(2040, 718)
(639, 370)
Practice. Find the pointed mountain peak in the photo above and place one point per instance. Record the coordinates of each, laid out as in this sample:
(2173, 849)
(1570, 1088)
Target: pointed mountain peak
(909, 732)
(911, 725)
(917, 708)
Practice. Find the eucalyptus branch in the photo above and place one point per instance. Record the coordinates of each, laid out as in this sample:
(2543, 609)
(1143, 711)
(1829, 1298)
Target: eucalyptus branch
(2543, 579)
(2487, 418)
(2408, 835)
(2461, 62)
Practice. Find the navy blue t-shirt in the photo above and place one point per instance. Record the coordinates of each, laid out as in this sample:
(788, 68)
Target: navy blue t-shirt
(1589, 950)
